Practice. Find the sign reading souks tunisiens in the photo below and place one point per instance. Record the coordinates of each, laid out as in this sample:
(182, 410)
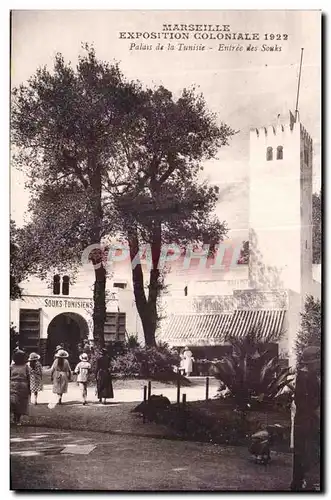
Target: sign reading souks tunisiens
(79, 304)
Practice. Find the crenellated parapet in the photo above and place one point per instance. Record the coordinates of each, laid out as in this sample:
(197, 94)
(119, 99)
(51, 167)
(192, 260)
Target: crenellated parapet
(305, 136)
(280, 131)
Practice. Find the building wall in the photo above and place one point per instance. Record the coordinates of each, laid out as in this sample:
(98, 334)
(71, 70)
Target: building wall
(38, 294)
(127, 304)
(217, 282)
(274, 209)
(50, 307)
(306, 189)
(281, 218)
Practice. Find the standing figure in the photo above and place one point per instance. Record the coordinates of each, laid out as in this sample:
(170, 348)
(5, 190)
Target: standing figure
(36, 375)
(82, 370)
(19, 386)
(182, 364)
(306, 420)
(103, 376)
(60, 374)
(188, 361)
(15, 350)
(58, 348)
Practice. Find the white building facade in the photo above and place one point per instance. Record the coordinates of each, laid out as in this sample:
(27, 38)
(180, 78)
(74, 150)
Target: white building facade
(270, 292)
(49, 315)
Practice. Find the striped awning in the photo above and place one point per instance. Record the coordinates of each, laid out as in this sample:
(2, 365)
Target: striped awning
(267, 321)
(197, 328)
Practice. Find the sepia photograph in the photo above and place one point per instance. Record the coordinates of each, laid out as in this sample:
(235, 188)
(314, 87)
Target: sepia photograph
(165, 250)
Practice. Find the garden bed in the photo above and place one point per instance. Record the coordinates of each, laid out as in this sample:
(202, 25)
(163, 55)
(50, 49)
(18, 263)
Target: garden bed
(217, 421)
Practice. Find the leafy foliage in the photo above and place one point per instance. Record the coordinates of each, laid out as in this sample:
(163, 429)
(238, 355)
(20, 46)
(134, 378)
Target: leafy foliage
(317, 227)
(132, 342)
(244, 253)
(311, 326)
(20, 262)
(167, 202)
(105, 156)
(146, 362)
(217, 421)
(250, 374)
(65, 126)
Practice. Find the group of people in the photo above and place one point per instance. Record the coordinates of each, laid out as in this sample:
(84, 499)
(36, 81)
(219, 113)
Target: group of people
(26, 378)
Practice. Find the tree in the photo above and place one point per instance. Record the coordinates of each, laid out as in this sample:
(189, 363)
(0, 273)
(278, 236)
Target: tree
(317, 227)
(15, 275)
(311, 326)
(65, 126)
(168, 204)
(108, 157)
(244, 253)
(20, 261)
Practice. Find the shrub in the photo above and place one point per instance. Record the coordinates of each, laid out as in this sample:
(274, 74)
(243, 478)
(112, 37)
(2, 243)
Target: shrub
(311, 326)
(132, 341)
(203, 367)
(146, 362)
(249, 375)
(219, 422)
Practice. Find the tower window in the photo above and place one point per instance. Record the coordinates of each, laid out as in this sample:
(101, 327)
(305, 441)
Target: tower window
(65, 285)
(269, 154)
(56, 284)
(119, 285)
(185, 291)
(279, 152)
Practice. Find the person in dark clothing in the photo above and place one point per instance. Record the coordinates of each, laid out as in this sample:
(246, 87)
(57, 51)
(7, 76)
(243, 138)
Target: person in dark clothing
(306, 420)
(103, 377)
(19, 386)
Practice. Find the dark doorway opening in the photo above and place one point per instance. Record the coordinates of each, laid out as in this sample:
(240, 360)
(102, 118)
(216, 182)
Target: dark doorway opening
(67, 329)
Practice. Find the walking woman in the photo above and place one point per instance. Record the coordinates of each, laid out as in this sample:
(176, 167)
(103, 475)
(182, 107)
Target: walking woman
(103, 376)
(83, 369)
(36, 375)
(60, 374)
(19, 386)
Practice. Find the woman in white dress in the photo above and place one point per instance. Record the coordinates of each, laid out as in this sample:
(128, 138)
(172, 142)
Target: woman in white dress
(188, 361)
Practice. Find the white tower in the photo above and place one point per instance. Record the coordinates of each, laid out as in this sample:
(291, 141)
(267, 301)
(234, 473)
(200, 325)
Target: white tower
(280, 214)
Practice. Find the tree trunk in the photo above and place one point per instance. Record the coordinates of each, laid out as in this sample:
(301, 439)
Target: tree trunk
(99, 293)
(154, 282)
(99, 310)
(143, 307)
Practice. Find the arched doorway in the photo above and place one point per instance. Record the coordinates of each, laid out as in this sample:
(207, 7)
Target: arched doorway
(68, 329)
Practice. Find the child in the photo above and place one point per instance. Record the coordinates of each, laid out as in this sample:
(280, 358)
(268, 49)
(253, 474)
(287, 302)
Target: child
(82, 370)
(19, 386)
(36, 374)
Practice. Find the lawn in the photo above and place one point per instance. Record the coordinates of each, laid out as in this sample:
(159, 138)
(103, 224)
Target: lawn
(209, 421)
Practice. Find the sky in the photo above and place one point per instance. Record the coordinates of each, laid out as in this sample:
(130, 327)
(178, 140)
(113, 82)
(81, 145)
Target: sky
(246, 89)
